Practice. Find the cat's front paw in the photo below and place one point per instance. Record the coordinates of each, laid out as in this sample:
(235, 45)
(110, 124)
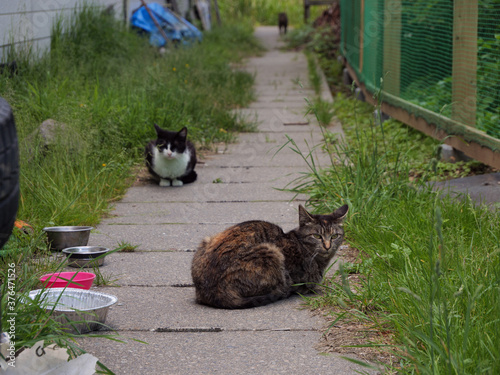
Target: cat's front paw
(177, 183)
(165, 182)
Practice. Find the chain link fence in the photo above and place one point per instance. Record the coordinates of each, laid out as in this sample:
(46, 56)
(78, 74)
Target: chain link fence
(438, 61)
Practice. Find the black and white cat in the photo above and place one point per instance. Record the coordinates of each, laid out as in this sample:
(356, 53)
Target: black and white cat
(171, 157)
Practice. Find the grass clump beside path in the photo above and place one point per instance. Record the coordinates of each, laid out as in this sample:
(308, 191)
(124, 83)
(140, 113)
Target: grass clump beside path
(428, 267)
(427, 273)
(107, 86)
(425, 285)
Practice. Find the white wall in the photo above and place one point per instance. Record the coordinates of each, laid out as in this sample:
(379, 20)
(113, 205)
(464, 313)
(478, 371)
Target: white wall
(27, 23)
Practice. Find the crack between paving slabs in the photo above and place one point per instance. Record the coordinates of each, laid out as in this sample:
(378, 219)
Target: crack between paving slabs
(178, 285)
(207, 329)
(221, 329)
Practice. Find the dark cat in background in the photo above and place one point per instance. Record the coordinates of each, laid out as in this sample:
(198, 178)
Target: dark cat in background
(282, 22)
(255, 263)
(171, 158)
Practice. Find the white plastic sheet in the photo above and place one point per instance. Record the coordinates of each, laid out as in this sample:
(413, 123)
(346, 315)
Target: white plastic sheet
(51, 360)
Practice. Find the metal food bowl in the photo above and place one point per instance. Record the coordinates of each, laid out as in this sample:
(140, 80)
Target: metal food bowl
(62, 237)
(82, 310)
(85, 256)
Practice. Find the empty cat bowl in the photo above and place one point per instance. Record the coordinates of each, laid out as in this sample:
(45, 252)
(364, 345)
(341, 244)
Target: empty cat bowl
(62, 237)
(79, 280)
(82, 310)
(85, 256)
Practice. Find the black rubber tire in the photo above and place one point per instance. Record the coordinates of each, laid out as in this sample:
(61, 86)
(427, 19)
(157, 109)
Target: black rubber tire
(9, 171)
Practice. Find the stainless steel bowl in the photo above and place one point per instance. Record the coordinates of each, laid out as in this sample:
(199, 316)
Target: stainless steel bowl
(85, 256)
(62, 237)
(82, 310)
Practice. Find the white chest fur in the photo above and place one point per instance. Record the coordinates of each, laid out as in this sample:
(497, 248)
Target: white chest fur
(170, 167)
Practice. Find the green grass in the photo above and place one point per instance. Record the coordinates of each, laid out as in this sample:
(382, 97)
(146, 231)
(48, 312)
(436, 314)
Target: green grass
(265, 12)
(421, 151)
(428, 269)
(314, 76)
(108, 86)
(429, 264)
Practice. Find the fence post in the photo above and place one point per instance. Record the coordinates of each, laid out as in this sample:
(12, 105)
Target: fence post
(392, 46)
(361, 34)
(464, 88)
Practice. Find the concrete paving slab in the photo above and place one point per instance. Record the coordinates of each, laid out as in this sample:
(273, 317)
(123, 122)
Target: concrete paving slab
(262, 154)
(481, 189)
(276, 120)
(268, 112)
(278, 176)
(170, 308)
(236, 353)
(266, 155)
(277, 63)
(286, 159)
(210, 192)
(202, 212)
(292, 95)
(154, 269)
(273, 144)
(275, 92)
(279, 89)
(301, 134)
(277, 105)
(289, 78)
(162, 237)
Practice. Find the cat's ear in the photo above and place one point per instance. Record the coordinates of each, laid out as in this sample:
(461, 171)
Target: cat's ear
(340, 213)
(304, 216)
(183, 132)
(158, 129)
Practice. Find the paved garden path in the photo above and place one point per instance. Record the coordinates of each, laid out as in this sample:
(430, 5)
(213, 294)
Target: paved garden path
(156, 296)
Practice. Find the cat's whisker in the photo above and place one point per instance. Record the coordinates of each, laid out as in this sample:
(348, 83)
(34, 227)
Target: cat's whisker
(312, 258)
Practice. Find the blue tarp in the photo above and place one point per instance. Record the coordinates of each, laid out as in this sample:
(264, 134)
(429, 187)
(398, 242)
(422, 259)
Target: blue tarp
(176, 28)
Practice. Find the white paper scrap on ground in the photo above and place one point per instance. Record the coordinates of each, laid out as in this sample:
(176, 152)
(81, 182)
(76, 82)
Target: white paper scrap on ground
(51, 360)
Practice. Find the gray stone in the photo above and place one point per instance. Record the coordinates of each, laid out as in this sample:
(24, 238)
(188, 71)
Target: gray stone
(346, 77)
(359, 94)
(380, 117)
(451, 155)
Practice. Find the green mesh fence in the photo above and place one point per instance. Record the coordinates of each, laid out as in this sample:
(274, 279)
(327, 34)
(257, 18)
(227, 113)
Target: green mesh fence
(437, 59)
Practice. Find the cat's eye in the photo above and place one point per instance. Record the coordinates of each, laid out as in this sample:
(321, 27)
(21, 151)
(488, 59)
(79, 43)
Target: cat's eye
(335, 236)
(317, 236)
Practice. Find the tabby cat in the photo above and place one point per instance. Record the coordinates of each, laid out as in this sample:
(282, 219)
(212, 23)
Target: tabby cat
(255, 263)
(171, 158)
